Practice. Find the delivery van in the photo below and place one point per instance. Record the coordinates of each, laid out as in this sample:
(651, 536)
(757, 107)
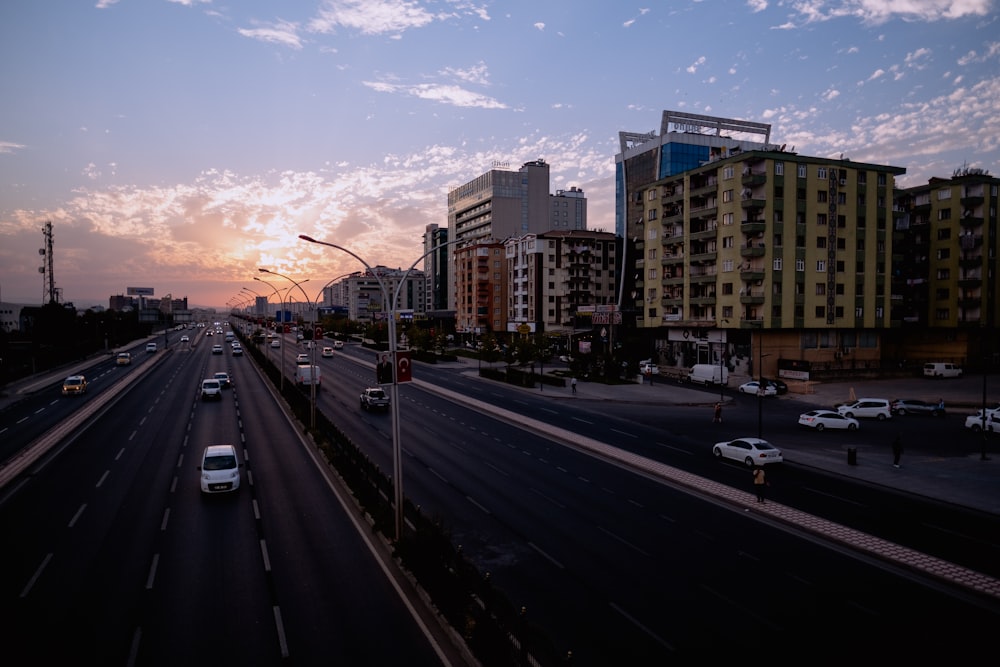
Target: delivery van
(307, 375)
(709, 374)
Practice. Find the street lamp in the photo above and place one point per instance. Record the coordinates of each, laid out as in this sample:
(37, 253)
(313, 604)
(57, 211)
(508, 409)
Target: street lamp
(312, 359)
(397, 457)
(281, 339)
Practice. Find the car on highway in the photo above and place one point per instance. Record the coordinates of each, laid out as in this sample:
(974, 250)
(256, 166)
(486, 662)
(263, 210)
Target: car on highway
(276, 343)
(216, 349)
(753, 387)
(223, 378)
(150, 347)
(821, 420)
(74, 384)
(338, 344)
(302, 359)
(868, 408)
(211, 390)
(374, 398)
(908, 406)
(327, 352)
(238, 351)
(749, 451)
(185, 338)
(123, 359)
(975, 422)
(220, 469)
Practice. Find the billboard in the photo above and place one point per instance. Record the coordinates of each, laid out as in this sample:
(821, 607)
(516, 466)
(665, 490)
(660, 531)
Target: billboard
(139, 291)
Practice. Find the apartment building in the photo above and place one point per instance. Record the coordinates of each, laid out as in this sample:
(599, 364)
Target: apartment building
(437, 257)
(480, 288)
(366, 301)
(556, 279)
(945, 284)
(779, 257)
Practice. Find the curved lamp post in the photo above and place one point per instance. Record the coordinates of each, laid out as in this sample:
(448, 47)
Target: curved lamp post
(397, 458)
(281, 373)
(312, 358)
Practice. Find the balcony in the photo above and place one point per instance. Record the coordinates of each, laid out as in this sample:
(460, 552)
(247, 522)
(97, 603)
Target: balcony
(671, 279)
(753, 202)
(702, 276)
(672, 260)
(756, 251)
(703, 257)
(749, 275)
(702, 300)
(708, 233)
(752, 179)
(970, 283)
(970, 302)
(753, 226)
(971, 262)
(971, 221)
(752, 298)
(971, 201)
(746, 323)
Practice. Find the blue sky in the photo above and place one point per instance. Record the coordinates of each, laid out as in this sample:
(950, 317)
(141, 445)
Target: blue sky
(182, 144)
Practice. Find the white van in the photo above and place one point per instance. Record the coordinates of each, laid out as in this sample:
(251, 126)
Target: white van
(709, 374)
(941, 370)
(307, 375)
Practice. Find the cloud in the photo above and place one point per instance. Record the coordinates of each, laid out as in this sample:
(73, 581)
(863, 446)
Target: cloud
(757, 5)
(539, 25)
(444, 93)
(10, 147)
(370, 17)
(992, 50)
(283, 32)
(693, 67)
(477, 74)
(876, 12)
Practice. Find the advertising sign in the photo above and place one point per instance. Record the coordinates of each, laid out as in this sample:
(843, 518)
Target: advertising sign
(139, 291)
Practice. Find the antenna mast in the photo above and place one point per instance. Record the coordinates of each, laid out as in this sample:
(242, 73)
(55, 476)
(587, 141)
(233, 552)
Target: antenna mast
(48, 276)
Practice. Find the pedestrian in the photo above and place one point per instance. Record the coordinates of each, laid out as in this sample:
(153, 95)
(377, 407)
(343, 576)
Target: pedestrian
(572, 383)
(897, 451)
(718, 413)
(759, 482)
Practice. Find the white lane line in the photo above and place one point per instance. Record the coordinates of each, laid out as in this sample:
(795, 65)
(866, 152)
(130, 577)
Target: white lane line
(120, 453)
(548, 498)
(36, 575)
(660, 640)
(625, 433)
(583, 420)
(103, 477)
(471, 500)
(152, 571)
(263, 552)
(282, 641)
(546, 556)
(166, 518)
(622, 540)
(72, 522)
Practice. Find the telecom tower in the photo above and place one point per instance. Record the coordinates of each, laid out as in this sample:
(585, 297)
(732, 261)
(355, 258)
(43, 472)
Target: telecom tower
(48, 277)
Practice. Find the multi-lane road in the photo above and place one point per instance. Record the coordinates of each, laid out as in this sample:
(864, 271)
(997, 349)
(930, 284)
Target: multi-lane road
(113, 540)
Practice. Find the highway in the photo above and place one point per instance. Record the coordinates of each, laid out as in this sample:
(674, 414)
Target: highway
(618, 567)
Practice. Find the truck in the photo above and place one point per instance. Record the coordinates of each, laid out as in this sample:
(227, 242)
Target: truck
(709, 374)
(308, 375)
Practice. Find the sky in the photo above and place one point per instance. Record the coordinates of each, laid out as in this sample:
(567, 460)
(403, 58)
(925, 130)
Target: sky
(184, 144)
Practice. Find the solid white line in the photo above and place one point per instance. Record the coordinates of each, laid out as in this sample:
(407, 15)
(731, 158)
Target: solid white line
(583, 420)
(485, 511)
(152, 571)
(36, 575)
(631, 435)
(622, 540)
(76, 516)
(663, 642)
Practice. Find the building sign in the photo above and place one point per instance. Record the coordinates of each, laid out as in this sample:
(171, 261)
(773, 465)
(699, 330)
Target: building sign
(139, 291)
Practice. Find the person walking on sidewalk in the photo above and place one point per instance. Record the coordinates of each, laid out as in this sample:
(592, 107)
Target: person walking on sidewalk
(572, 384)
(718, 413)
(897, 451)
(759, 482)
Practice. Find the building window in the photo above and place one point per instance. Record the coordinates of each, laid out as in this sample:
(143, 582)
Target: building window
(652, 275)
(820, 311)
(777, 264)
(802, 171)
(943, 253)
(651, 214)
(820, 241)
(779, 168)
(727, 289)
(651, 233)
(651, 253)
(944, 214)
(943, 274)
(727, 218)
(943, 233)
(727, 265)
(727, 311)
(728, 172)
(944, 194)
(727, 195)
(820, 289)
(651, 194)
(859, 312)
(942, 314)
(800, 265)
(943, 293)
(820, 265)
(727, 241)
(821, 173)
(821, 218)
(821, 196)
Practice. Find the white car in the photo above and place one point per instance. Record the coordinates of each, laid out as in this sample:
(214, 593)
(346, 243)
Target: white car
(875, 408)
(220, 469)
(338, 344)
(975, 422)
(211, 390)
(824, 419)
(216, 349)
(275, 343)
(649, 369)
(753, 387)
(749, 451)
(301, 359)
(327, 352)
(185, 338)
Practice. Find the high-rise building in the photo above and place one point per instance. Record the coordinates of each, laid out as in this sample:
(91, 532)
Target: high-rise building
(480, 280)
(436, 264)
(556, 279)
(366, 301)
(568, 210)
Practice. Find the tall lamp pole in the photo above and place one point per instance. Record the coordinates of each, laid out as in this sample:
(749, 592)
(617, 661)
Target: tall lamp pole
(397, 457)
(312, 359)
(281, 338)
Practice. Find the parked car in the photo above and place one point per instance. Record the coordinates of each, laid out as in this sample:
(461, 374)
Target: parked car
(942, 370)
(907, 406)
(211, 390)
(753, 387)
(779, 385)
(975, 422)
(824, 419)
(74, 384)
(220, 469)
(327, 352)
(374, 398)
(750, 451)
(223, 379)
(867, 408)
(123, 359)
(649, 369)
